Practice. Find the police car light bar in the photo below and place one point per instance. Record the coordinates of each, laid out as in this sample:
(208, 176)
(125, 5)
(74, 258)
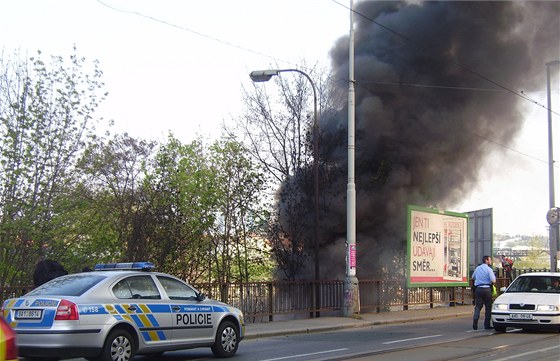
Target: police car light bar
(122, 266)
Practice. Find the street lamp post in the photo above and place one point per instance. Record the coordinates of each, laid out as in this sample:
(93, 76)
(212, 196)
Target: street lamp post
(553, 230)
(266, 75)
(351, 301)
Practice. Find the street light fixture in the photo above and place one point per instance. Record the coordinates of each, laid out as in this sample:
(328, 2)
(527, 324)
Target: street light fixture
(266, 75)
(260, 76)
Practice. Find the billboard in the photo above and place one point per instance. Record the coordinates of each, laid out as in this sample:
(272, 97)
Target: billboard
(437, 248)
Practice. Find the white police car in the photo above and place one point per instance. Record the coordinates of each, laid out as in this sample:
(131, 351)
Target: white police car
(532, 301)
(117, 311)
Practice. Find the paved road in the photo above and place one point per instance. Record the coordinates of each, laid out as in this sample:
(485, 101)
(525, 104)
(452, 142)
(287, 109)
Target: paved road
(512, 346)
(433, 334)
(428, 340)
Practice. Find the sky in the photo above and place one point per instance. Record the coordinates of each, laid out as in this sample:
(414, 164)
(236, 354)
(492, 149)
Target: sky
(178, 66)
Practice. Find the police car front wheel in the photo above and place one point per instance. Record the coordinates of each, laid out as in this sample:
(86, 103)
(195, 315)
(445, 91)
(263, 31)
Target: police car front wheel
(227, 340)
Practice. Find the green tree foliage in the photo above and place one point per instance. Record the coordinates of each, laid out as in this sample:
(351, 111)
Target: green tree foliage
(537, 256)
(114, 199)
(237, 237)
(204, 211)
(46, 117)
(181, 190)
(195, 210)
(189, 208)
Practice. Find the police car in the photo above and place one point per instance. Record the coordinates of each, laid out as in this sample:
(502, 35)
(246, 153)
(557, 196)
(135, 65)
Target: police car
(117, 311)
(532, 301)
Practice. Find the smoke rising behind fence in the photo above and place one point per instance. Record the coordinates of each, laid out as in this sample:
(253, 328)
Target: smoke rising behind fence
(426, 117)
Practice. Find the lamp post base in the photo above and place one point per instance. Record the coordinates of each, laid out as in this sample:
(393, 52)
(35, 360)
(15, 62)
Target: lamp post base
(351, 301)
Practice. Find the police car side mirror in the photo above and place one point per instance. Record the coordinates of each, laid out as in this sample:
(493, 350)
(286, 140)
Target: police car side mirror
(200, 296)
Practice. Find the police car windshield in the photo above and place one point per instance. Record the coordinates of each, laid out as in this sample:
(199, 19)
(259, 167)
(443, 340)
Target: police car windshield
(71, 285)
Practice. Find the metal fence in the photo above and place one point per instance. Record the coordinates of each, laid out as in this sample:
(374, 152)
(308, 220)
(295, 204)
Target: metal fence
(269, 301)
(10, 292)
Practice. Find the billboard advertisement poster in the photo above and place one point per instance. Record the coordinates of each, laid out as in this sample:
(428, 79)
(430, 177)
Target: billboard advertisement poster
(437, 248)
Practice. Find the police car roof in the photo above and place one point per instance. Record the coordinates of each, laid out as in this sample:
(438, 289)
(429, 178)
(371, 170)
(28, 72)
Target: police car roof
(125, 266)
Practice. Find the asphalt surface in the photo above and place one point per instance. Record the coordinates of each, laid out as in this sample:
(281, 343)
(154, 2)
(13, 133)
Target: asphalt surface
(321, 324)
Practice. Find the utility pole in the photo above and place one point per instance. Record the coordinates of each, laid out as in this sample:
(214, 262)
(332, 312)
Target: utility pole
(553, 213)
(351, 301)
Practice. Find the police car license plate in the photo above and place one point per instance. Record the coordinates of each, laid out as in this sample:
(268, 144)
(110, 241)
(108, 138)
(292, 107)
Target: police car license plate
(28, 314)
(521, 316)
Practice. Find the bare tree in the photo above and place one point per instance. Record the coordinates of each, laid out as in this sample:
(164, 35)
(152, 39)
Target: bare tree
(277, 128)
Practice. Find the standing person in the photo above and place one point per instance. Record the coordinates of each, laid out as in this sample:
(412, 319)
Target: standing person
(483, 278)
(47, 270)
(507, 265)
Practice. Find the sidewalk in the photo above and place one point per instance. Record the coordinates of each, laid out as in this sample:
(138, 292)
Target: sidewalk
(320, 324)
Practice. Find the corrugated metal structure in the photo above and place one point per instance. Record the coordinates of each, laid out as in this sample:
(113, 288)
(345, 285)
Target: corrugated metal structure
(481, 231)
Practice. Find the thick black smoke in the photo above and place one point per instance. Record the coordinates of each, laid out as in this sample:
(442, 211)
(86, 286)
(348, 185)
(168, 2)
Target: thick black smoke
(424, 122)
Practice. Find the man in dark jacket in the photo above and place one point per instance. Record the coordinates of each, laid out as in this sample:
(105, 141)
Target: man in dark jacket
(47, 270)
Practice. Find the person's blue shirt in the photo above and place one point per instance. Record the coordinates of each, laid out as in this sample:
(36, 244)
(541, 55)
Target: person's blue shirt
(483, 276)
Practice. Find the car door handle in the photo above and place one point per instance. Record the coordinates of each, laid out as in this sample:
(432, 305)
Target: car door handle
(176, 308)
(131, 308)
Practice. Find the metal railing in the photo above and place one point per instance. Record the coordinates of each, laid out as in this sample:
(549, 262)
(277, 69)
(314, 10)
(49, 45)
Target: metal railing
(269, 301)
(11, 292)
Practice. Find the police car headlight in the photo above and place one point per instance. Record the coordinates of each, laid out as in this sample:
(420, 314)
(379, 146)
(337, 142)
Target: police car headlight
(500, 306)
(547, 308)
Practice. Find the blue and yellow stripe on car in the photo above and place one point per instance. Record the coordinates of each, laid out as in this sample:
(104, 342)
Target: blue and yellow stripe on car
(141, 315)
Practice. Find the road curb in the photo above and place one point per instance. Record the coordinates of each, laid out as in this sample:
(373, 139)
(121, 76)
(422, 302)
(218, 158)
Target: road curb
(285, 328)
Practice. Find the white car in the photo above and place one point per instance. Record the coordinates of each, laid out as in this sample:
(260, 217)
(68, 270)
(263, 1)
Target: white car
(532, 301)
(117, 311)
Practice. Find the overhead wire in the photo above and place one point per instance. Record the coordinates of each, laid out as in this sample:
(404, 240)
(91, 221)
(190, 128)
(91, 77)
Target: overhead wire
(432, 86)
(511, 148)
(195, 32)
(520, 94)
(230, 44)
(503, 88)
(396, 33)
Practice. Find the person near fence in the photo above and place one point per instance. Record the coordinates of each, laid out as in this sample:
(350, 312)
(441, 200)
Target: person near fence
(483, 280)
(507, 265)
(47, 270)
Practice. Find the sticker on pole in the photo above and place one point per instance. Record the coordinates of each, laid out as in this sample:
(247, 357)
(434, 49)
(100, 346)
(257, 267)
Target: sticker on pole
(351, 259)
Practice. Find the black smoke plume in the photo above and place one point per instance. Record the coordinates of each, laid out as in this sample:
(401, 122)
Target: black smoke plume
(428, 111)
